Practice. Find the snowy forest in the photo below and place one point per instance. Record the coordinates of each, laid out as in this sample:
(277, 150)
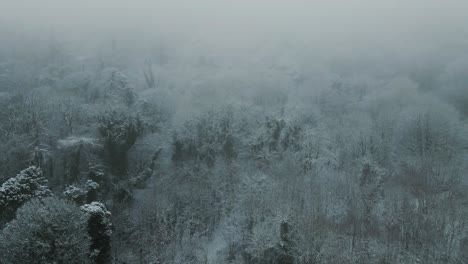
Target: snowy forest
(249, 133)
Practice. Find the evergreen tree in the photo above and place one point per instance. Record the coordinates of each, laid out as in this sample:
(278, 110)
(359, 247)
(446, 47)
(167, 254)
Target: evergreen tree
(16, 191)
(47, 230)
(99, 230)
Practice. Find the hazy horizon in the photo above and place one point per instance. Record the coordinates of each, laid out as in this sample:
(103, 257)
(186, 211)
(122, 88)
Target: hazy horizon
(238, 132)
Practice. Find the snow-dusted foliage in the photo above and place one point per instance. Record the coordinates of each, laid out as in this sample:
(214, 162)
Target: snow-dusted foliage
(97, 208)
(16, 191)
(78, 154)
(85, 193)
(74, 141)
(73, 193)
(206, 138)
(91, 185)
(120, 131)
(46, 230)
(99, 230)
(274, 138)
(113, 87)
(285, 141)
(119, 128)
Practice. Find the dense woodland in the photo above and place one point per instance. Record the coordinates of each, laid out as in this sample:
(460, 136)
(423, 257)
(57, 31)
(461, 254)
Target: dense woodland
(170, 154)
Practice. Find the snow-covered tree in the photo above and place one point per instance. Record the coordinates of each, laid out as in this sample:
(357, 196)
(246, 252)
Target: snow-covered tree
(87, 193)
(120, 131)
(205, 138)
(78, 153)
(99, 229)
(16, 191)
(46, 230)
(113, 87)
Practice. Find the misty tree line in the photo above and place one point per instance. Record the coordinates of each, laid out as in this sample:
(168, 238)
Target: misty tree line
(192, 161)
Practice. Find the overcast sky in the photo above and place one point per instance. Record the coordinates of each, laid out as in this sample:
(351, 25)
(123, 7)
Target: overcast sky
(329, 22)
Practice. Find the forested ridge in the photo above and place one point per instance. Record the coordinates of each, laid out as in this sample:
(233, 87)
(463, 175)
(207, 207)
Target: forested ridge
(172, 153)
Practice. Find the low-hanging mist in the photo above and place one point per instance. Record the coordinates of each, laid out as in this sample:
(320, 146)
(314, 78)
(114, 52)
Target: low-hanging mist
(247, 132)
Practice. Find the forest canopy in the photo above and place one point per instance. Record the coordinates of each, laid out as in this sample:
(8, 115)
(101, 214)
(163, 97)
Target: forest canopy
(247, 132)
